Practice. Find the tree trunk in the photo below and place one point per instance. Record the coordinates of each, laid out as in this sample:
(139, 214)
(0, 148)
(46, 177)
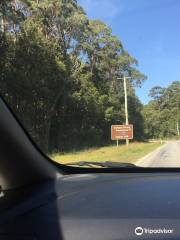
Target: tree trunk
(2, 24)
(50, 118)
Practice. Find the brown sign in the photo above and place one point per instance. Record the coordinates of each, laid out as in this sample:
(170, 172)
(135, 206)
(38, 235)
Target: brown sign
(119, 132)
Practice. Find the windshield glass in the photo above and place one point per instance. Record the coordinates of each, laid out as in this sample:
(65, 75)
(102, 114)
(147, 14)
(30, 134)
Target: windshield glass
(95, 83)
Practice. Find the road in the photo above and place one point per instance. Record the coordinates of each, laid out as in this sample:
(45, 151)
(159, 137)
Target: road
(166, 156)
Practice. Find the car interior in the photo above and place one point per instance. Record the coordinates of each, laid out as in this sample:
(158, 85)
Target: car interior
(89, 120)
(42, 200)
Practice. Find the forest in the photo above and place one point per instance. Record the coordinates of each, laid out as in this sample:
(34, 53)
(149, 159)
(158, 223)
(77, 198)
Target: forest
(162, 114)
(59, 72)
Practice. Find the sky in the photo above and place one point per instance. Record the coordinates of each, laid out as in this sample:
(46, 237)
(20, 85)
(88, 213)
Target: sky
(149, 31)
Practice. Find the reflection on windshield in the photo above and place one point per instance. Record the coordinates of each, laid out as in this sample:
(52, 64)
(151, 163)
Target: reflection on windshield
(95, 86)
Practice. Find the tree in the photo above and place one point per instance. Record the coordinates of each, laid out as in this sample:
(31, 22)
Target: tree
(162, 113)
(59, 73)
(12, 14)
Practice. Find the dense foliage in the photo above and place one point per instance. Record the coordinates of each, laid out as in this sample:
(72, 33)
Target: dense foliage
(59, 70)
(162, 114)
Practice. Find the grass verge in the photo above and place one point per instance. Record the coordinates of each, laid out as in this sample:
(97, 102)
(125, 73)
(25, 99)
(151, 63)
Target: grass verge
(129, 154)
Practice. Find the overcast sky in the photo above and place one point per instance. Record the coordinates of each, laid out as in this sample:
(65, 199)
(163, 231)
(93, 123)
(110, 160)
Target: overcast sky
(149, 30)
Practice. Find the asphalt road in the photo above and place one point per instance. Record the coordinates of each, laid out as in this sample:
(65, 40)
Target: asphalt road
(166, 156)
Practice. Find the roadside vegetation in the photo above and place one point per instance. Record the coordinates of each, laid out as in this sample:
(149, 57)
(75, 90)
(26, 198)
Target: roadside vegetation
(162, 114)
(121, 154)
(59, 72)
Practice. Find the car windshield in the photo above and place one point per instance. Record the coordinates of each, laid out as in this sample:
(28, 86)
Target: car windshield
(96, 83)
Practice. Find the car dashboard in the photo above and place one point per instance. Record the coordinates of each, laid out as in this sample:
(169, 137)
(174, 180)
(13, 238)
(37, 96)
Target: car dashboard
(97, 206)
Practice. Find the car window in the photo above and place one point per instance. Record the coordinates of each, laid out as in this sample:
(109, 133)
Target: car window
(95, 83)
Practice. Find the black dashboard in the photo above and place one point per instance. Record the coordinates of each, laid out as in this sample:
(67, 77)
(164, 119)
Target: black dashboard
(98, 206)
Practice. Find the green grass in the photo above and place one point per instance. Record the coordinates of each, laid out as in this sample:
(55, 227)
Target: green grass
(130, 154)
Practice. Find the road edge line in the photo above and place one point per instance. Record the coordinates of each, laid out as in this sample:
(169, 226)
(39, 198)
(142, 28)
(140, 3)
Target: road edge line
(139, 161)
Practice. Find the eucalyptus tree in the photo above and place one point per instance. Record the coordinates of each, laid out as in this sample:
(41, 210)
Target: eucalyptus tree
(162, 114)
(59, 70)
(12, 14)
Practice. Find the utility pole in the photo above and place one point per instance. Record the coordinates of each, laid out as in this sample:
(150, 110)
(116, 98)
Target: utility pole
(126, 102)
